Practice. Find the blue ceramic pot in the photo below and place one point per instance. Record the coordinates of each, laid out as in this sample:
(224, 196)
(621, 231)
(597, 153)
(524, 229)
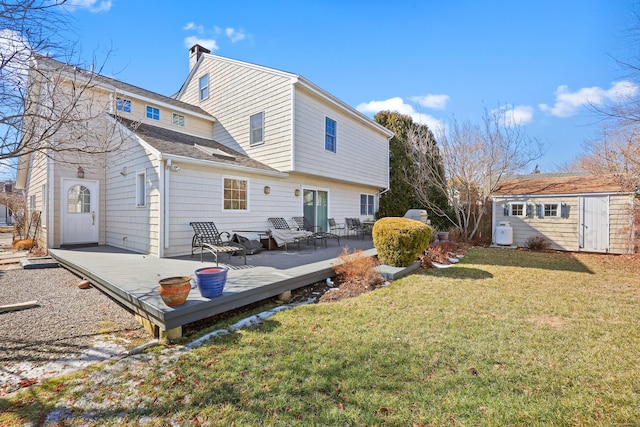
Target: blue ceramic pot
(211, 281)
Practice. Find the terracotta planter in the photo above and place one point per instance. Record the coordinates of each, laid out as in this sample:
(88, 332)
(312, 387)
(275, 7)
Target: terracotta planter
(174, 290)
(211, 281)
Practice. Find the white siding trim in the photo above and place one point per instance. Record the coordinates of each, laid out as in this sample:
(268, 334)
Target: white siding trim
(292, 167)
(225, 166)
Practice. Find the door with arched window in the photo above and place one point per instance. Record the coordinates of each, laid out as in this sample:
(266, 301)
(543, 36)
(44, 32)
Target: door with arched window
(79, 211)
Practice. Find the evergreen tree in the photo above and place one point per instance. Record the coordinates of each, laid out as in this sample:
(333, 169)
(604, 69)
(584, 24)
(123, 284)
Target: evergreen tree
(401, 195)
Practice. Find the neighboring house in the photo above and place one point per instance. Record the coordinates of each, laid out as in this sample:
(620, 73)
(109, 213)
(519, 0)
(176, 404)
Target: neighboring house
(238, 144)
(575, 213)
(6, 191)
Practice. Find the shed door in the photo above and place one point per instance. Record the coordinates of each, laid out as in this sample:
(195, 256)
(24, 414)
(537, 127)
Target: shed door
(594, 223)
(79, 211)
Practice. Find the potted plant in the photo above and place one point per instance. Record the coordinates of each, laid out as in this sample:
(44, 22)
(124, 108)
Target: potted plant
(174, 290)
(211, 280)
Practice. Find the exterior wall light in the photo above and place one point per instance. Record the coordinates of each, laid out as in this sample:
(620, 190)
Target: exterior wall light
(80, 172)
(267, 189)
(297, 192)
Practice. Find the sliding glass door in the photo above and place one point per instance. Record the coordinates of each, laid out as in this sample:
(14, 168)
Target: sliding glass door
(316, 208)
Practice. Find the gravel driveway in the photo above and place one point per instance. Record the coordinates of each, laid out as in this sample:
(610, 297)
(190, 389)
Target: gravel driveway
(68, 329)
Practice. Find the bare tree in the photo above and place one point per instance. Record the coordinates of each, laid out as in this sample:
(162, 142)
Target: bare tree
(46, 98)
(467, 164)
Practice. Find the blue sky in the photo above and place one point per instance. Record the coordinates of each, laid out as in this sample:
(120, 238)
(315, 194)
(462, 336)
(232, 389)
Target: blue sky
(542, 60)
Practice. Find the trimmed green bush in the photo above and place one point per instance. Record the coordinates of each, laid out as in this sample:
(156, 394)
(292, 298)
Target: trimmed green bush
(399, 241)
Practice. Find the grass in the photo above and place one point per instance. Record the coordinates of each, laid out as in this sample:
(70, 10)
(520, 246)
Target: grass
(504, 338)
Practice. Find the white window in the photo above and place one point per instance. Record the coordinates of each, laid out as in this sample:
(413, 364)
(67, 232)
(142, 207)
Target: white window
(123, 105)
(79, 199)
(551, 209)
(43, 216)
(517, 209)
(153, 113)
(256, 123)
(204, 87)
(177, 119)
(235, 194)
(367, 204)
(141, 189)
(330, 134)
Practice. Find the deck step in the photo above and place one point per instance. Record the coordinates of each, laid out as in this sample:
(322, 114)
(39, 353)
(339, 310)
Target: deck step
(38, 262)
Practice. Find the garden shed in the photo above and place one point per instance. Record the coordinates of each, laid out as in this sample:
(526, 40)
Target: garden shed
(591, 213)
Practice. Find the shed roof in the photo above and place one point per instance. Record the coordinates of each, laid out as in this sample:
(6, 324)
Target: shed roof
(577, 184)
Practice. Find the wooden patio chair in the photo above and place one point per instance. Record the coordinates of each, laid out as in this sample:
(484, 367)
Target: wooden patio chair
(304, 224)
(207, 237)
(282, 224)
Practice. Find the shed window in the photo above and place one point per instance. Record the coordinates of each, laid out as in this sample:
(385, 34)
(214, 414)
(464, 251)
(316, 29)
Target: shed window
(551, 209)
(517, 209)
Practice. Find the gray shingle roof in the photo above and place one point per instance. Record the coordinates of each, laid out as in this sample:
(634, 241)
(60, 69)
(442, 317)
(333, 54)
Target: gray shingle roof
(179, 144)
(117, 85)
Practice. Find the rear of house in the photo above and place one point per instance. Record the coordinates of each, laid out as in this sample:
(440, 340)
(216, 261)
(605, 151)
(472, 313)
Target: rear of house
(574, 213)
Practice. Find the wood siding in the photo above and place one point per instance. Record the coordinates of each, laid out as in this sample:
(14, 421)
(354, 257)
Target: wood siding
(129, 226)
(237, 91)
(196, 195)
(362, 154)
(564, 233)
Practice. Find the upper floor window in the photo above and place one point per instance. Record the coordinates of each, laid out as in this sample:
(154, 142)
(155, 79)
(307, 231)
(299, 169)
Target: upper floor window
(178, 119)
(235, 194)
(366, 204)
(204, 87)
(330, 135)
(123, 105)
(153, 113)
(256, 122)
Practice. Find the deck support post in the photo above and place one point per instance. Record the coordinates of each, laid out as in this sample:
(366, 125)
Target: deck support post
(285, 296)
(168, 335)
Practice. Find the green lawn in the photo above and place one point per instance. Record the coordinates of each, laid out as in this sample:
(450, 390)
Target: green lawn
(504, 338)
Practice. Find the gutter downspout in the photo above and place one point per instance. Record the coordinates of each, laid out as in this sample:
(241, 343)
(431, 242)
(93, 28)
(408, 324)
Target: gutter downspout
(293, 126)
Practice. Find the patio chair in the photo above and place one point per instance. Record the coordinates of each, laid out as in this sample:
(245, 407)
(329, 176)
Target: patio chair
(207, 237)
(284, 234)
(355, 227)
(304, 224)
(336, 228)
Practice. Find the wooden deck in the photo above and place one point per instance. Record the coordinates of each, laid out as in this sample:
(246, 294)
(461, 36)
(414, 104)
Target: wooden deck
(132, 279)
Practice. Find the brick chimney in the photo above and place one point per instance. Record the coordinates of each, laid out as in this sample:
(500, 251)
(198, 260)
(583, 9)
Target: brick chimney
(195, 53)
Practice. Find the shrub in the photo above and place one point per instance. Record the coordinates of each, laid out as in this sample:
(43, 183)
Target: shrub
(356, 267)
(537, 243)
(399, 241)
(22, 245)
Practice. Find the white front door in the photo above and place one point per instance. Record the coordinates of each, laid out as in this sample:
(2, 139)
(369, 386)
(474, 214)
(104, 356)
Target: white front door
(594, 223)
(79, 207)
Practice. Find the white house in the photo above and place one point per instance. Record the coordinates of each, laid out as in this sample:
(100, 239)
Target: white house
(238, 144)
(592, 213)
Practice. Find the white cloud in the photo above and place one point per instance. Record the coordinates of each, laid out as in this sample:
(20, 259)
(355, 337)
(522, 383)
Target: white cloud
(518, 115)
(191, 26)
(436, 102)
(210, 44)
(399, 105)
(93, 5)
(568, 103)
(235, 35)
